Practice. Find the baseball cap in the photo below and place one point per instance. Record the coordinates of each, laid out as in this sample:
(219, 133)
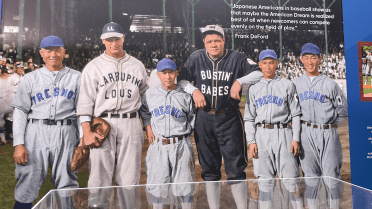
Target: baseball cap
(310, 48)
(166, 64)
(51, 41)
(20, 65)
(112, 30)
(267, 53)
(213, 29)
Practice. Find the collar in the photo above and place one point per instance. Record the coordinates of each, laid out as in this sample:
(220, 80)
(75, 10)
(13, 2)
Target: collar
(106, 56)
(218, 58)
(49, 73)
(263, 80)
(162, 90)
(316, 79)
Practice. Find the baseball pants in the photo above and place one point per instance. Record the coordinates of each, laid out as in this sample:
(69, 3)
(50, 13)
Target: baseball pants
(172, 160)
(220, 136)
(119, 156)
(274, 156)
(51, 145)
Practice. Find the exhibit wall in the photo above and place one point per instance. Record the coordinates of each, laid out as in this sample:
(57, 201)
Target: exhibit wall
(358, 33)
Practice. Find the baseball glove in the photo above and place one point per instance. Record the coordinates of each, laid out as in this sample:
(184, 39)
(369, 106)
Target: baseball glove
(81, 153)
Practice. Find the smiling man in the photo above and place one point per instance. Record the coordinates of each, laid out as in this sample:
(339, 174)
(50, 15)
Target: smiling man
(324, 107)
(45, 125)
(273, 146)
(168, 116)
(111, 88)
(219, 131)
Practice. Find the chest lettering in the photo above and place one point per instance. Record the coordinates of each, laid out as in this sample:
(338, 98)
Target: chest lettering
(220, 75)
(166, 110)
(42, 96)
(267, 100)
(307, 95)
(124, 77)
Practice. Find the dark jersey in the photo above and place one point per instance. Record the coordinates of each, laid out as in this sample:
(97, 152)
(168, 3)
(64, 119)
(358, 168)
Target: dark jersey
(214, 77)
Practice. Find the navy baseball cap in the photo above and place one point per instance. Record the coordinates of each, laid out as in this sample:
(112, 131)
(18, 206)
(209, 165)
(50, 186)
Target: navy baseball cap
(112, 30)
(268, 53)
(213, 29)
(310, 48)
(51, 41)
(166, 64)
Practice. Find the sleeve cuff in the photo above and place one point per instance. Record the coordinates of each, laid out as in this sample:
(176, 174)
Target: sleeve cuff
(85, 118)
(146, 122)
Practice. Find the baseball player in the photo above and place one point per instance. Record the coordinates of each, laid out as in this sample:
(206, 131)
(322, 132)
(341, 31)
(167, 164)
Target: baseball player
(45, 125)
(111, 88)
(324, 107)
(14, 81)
(168, 116)
(5, 101)
(271, 104)
(218, 127)
(368, 67)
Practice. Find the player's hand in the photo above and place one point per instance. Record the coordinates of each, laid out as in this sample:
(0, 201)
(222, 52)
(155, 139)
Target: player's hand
(91, 139)
(295, 148)
(20, 154)
(235, 90)
(253, 151)
(150, 134)
(199, 99)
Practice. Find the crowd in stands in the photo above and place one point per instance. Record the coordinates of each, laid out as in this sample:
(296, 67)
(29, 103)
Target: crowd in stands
(149, 48)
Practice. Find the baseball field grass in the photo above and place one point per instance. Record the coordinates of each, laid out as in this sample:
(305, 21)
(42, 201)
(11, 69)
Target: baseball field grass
(8, 181)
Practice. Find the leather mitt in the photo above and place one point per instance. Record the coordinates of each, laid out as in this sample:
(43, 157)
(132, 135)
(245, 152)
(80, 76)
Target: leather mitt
(81, 154)
(101, 127)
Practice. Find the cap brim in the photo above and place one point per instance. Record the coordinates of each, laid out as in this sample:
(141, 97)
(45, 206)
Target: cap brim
(110, 35)
(271, 57)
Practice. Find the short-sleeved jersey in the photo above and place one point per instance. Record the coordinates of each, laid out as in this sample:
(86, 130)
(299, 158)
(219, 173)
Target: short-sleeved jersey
(110, 84)
(214, 77)
(171, 112)
(321, 100)
(272, 102)
(45, 94)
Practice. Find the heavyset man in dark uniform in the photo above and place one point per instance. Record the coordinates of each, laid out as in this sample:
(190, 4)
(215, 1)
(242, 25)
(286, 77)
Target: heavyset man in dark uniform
(219, 129)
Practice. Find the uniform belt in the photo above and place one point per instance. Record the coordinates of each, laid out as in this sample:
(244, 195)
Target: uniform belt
(216, 112)
(123, 115)
(272, 126)
(52, 122)
(317, 126)
(174, 140)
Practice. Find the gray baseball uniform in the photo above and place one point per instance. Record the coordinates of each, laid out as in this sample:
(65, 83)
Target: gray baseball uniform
(112, 88)
(172, 116)
(323, 104)
(48, 100)
(273, 103)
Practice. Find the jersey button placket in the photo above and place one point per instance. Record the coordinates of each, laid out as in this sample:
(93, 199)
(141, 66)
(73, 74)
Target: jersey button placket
(269, 107)
(167, 116)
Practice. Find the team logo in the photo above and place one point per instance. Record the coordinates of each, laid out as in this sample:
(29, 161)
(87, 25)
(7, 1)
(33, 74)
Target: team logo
(109, 28)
